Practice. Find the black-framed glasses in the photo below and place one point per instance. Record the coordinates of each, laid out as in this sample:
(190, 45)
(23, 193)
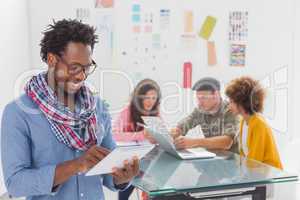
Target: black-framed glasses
(77, 68)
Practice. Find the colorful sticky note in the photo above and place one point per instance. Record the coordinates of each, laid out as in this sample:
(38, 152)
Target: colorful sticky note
(136, 29)
(136, 8)
(148, 29)
(187, 75)
(104, 3)
(207, 27)
(211, 54)
(188, 21)
(136, 18)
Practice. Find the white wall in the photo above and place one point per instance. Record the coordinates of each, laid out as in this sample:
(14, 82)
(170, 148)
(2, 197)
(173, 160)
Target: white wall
(14, 48)
(297, 64)
(42, 13)
(270, 47)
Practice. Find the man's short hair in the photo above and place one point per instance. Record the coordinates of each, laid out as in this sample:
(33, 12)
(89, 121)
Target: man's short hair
(207, 84)
(58, 35)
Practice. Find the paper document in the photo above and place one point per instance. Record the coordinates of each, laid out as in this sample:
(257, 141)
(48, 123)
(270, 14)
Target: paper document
(116, 158)
(132, 143)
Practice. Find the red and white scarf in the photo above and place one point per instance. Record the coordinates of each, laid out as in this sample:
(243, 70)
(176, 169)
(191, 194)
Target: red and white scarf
(65, 124)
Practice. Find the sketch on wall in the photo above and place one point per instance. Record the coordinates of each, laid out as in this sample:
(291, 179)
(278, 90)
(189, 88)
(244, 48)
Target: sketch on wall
(238, 33)
(238, 26)
(238, 55)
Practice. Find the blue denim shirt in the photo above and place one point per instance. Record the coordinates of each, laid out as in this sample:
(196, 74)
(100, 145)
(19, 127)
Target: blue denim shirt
(31, 152)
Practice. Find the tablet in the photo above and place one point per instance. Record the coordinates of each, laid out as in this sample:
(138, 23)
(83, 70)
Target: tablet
(117, 157)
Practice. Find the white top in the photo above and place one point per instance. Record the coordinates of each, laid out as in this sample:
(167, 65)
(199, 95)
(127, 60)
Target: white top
(244, 139)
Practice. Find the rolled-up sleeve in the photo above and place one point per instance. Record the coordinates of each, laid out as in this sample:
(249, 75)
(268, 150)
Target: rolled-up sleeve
(21, 177)
(189, 122)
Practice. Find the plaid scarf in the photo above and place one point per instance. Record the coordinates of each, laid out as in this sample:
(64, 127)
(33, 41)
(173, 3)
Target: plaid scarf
(66, 124)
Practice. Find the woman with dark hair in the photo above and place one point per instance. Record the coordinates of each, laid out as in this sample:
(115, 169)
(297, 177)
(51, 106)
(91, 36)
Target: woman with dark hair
(256, 139)
(145, 101)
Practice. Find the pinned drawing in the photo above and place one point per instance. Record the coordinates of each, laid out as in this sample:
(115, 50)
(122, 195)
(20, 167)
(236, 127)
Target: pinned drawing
(238, 55)
(188, 21)
(238, 26)
(188, 39)
(164, 19)
(104, 4)
(211, 54)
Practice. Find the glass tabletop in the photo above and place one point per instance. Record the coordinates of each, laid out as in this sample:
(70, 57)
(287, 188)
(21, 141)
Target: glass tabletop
(162, 173)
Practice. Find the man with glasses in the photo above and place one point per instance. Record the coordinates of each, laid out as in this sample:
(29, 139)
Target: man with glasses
(218, 124)
(58, 129)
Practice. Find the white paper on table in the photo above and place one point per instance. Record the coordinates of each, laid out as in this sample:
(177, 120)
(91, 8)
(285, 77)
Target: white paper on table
(116, 158)
(132, 143)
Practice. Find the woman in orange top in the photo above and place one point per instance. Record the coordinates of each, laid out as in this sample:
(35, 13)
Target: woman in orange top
(256, 139)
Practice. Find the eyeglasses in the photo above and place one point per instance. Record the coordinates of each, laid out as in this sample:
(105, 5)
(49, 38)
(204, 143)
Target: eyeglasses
(205, 97)
(74, 69)
(144, 97)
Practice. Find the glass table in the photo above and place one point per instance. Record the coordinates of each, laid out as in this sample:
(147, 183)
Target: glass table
(165, 177)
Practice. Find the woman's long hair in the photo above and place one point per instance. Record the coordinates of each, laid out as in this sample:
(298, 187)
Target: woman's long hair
(136, 103)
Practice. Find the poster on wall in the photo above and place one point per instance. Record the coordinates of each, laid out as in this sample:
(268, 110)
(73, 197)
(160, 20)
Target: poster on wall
(238, 55)
(238, 34)
(238, 26)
